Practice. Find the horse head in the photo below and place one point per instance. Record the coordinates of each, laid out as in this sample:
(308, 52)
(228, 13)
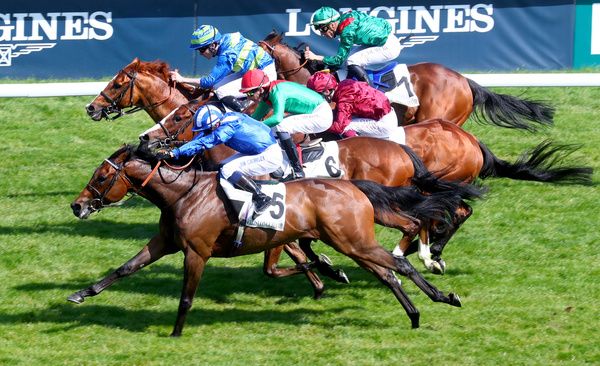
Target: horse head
(138, 86)
(108, 185)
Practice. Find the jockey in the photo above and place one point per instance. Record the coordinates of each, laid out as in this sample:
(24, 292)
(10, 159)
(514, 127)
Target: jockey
(360, 109)
(235, 55)
(308, 110)
(257, 150)
(378, 43)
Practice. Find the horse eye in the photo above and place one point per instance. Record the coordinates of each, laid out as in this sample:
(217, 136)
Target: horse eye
(101, 179)
(116, 86)
(178, 118)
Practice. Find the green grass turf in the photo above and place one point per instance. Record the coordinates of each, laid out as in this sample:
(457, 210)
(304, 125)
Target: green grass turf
(525, 265)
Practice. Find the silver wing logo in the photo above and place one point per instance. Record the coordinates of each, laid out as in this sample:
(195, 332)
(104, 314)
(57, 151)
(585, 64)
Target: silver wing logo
(10, 51)
(412, 40)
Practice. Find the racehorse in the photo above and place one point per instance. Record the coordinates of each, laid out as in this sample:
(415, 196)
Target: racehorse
(197, 219)
(444, 148)
(139, 86)
(442, 92)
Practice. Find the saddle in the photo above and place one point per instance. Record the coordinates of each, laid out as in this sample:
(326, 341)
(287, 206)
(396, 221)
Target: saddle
(384, 79)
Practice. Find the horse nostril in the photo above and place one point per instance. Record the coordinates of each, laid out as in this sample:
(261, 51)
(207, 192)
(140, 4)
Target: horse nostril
(144, 138)
(76, 207)
(90, 108)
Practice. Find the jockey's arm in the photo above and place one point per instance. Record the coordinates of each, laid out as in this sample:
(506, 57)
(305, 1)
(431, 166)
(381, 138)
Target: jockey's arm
(342, 118)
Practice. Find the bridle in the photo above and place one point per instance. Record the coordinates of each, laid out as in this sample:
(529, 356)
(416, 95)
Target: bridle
(97, 203)
(271, 51)
(170, 137)
(114, 103)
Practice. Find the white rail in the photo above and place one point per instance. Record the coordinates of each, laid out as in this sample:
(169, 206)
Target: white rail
(487, 80)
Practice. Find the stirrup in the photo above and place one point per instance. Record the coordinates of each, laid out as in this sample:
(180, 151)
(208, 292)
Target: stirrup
(311, 143)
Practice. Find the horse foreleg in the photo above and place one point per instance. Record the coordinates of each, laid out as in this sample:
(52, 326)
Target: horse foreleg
(193, 269)
(293, 251)
(153, 251)
(322, 263)
(425, 253)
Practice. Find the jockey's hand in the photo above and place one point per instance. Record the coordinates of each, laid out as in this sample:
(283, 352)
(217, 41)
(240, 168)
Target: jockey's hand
(164, 155)
(309, 55)
(175, 76)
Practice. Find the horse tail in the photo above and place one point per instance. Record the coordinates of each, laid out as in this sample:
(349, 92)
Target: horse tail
(538, 164)
(508, 111)
(426, 181)
(408, 201)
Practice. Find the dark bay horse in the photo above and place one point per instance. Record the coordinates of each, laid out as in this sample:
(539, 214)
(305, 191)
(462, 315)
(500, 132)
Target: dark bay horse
(450, 152)
(442, 92)
(141, 85)
(197, 220)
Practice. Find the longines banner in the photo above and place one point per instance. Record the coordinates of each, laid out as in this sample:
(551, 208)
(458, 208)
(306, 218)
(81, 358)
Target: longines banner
(70, 39)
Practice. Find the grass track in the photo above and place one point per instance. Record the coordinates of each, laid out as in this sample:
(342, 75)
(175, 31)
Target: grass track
(525, 265)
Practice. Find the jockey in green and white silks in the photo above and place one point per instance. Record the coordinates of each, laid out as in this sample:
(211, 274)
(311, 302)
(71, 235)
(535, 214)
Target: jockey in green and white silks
(374, 37)
(235, 56)
(307, 111)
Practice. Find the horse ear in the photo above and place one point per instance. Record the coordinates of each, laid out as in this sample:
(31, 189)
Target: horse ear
(135, 61)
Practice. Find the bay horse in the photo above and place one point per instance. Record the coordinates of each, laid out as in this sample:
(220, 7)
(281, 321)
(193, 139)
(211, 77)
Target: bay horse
(452, 153)
(442, 92)
(197, 219)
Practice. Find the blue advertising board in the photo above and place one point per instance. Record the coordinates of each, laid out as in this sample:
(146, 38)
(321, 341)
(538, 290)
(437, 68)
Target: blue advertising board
(72, 39)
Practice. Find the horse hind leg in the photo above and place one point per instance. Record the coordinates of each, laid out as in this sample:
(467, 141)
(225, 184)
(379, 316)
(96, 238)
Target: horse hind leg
(387, 277)
(404, 267)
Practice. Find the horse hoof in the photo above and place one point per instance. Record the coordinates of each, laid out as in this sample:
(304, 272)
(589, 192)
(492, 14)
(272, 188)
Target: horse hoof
(414, 319)
(325, 259)
(454, 300)
(318, 293)
(76, 298)
(436, 268)
(342, 277)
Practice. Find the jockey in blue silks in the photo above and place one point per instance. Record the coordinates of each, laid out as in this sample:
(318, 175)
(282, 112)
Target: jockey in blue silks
(257, 150)
(235, 56)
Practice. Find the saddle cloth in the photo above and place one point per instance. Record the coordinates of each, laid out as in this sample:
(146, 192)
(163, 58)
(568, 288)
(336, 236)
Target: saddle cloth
(272, 218)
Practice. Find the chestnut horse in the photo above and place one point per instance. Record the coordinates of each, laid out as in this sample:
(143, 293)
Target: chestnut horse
(442, 92)
(444, 148)
(141, 86)
(197, 219)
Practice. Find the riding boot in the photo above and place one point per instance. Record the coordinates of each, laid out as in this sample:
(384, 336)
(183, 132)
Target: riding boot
(359, 73)
(290, 149)
(232, 103)
(261, 200)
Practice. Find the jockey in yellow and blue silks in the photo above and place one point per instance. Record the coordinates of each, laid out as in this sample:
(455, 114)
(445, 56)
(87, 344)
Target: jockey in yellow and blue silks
(374, 36)
(258, 153)
(235, 55)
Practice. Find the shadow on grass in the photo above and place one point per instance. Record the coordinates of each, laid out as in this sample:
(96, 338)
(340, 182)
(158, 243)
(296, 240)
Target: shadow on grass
(219, 284)
(102, 229)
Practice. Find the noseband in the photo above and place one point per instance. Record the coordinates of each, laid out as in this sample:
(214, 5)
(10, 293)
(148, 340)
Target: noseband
(97, 203)
(114, 108)
(173, 137)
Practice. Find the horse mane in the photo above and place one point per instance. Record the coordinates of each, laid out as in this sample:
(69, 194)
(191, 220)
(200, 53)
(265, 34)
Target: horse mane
(156, 67)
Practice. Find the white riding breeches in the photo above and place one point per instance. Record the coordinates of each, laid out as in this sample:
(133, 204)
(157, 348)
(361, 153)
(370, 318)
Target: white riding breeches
(318, 121)
(232, 83)
(382, 129)
(370, 56)
(253, 165)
